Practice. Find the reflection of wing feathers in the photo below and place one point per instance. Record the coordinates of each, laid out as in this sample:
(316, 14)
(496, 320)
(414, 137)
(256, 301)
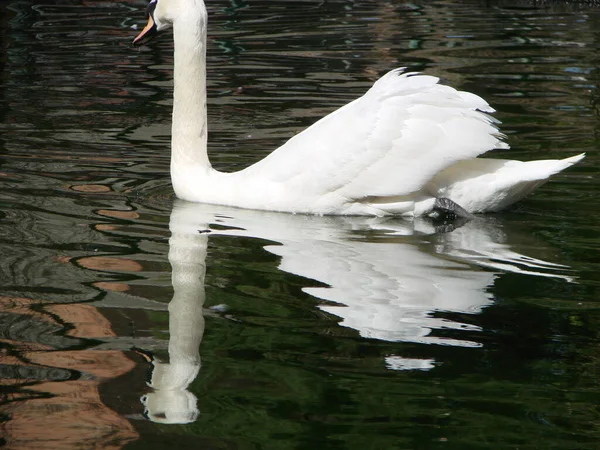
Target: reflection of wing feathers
(384, 282)
(390, 142)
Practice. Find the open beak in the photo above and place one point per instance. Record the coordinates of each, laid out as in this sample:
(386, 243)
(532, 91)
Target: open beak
(147, 33)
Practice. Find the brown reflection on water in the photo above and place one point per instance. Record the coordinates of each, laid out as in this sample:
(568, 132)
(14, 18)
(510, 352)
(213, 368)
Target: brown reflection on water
(91, 188)
(105, 263)
(62, 413)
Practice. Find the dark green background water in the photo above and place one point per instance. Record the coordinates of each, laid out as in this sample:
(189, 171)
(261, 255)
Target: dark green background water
(318, 333)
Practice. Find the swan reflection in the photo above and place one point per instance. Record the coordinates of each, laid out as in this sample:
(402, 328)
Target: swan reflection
(384, 278)
(170, 401)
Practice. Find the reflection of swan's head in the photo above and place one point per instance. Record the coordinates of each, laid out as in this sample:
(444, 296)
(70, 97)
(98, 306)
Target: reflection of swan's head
(170, 407)
(170, 401)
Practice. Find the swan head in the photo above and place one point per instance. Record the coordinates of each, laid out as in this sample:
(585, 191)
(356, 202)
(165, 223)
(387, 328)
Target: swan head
(159, 18)
(162, 14)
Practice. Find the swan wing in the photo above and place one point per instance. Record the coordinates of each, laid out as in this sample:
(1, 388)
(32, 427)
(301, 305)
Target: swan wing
(389, 142)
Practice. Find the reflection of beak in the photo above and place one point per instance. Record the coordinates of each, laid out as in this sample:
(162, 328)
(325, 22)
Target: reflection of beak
(147, 33)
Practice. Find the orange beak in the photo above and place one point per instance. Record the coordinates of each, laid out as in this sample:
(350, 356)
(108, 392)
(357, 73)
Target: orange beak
(147, 33)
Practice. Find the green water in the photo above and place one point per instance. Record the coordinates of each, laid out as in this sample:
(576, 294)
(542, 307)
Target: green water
(123, 326)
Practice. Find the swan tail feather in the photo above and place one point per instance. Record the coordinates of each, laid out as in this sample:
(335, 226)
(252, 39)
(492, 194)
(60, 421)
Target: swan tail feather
(488, 185)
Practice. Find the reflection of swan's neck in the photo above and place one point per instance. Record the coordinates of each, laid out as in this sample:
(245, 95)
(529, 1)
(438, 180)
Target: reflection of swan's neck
(170, 401)
(189, 133)
(187, 255)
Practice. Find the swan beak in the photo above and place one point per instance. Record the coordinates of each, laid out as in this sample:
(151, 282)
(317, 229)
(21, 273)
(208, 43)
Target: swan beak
(147, 33)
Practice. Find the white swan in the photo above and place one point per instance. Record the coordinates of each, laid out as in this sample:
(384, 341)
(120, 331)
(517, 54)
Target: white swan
(405, 147)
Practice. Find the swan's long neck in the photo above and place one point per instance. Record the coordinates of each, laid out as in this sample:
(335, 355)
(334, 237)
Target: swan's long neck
(189, 129)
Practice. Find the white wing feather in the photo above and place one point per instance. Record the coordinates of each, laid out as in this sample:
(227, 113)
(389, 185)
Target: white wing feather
(389, 142)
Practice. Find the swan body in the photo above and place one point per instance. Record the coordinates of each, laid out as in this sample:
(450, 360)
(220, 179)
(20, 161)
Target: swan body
(405, 143)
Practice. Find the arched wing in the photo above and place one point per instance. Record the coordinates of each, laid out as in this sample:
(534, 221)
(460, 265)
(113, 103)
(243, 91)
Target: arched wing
(389, 142)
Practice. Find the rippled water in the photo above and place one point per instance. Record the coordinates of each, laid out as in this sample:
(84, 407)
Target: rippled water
(129, 319)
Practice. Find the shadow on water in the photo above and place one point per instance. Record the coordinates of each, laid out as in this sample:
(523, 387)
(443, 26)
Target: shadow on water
(240, 329)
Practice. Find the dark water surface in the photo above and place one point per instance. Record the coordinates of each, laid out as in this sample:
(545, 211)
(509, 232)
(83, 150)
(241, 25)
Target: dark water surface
(123, 326)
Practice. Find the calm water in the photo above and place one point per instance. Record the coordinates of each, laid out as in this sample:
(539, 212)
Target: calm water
(131, 320)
